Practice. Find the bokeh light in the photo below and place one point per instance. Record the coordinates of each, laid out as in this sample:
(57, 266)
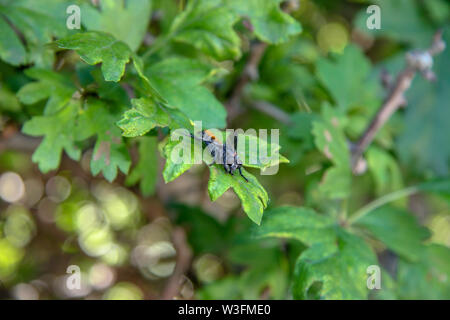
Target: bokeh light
(12, 188)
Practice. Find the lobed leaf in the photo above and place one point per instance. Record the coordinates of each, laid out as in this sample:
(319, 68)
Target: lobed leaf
(253, 196)
(269, 22)
(208, 26)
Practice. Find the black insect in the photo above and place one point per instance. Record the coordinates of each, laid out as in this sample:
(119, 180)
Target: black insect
(222, 153)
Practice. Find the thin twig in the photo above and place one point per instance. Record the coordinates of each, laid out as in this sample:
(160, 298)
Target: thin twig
(272, 111)
(417, 61)
(250, 72)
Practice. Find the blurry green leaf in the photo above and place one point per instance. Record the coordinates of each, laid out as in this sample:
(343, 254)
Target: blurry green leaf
(424, 141)
(225, 288)
(58, 130)
(342, 273)
(11, 49)
(302, 224)
(179, 81)
(427, 279)
(346, 77)
(127, 20)
(269, 22)
(330, 140)
(10, 256)
(8, 100)
(96, 47)
(402, 20)
(266, 272)
(253, 196)
(208, 26)
(146, 170)
(49, 85)
(37, 24)
(205, 233)
(110, 153)
(384, 169)
(398, 229)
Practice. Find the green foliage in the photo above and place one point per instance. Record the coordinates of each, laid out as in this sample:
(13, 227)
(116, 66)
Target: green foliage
(422, 143)
(109, 152)
(253, 196)
(346, 78)
(112, 95)
(179, 81)
(340, 267)
(146, 170)
(270, 24)
(36, 25)
(58, 130)
(125, 20)
(208, 26)
(330, 141)
(398, 229)
(96, 47)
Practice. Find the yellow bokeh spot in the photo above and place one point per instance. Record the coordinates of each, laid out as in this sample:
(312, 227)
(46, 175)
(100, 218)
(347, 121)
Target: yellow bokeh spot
(332, 37)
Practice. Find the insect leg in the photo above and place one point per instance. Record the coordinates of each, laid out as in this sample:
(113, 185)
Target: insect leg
(224, 159)
(240, 172)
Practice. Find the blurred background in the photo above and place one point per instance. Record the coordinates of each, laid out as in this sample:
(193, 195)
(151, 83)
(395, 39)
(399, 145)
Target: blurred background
(176, 243)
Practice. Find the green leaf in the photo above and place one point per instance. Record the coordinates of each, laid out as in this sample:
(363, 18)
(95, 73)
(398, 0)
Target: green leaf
(110, 153)
(266, 269)
(49, 85)
(330, 140)
(384, 169)
(206, 234)
(208, 26)
(59, 134)
(253, 196)
(269, 22)
(146, 170)
(8, 100)
(398, 229)
(96, 47)
(11, 49)
(423, 143)
(173, 169)
(143, 117)
(341, 273)
(402, 20)
(38, 24)
(428, 278)
(256, 152)
(179, 81)
(127, 20)
(302, 224)
(346, 77)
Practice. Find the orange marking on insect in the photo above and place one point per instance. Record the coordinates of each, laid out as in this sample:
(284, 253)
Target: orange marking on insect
(209, 133)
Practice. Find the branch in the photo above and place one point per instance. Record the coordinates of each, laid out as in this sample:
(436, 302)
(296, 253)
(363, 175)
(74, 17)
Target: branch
(273, 111)
(417, 61)
(250, 72)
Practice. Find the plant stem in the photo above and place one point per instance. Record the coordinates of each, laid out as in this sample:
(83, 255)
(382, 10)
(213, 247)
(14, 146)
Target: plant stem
(382, 201)
(417, 61)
